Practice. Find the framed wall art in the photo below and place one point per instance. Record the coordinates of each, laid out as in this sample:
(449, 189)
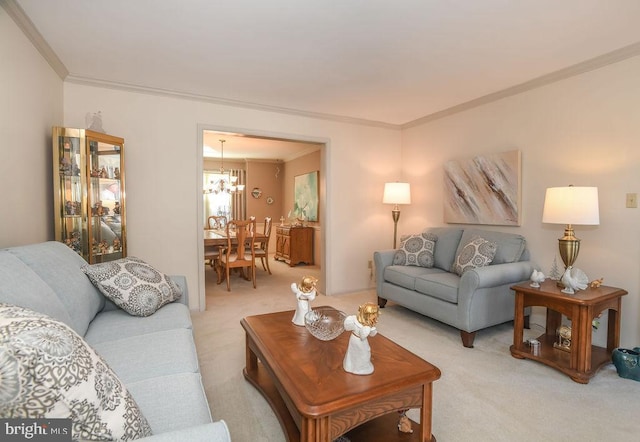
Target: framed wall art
(485, 189)
(305, 196)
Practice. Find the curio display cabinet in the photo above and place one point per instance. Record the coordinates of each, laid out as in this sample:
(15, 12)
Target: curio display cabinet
(89, 193)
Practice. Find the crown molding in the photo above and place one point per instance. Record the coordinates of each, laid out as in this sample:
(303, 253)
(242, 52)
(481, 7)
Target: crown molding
(621, 54)
(15, 11)
(88, 81)
(29, 29)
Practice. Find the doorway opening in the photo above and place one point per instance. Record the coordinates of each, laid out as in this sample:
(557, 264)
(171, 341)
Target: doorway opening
(270, 162)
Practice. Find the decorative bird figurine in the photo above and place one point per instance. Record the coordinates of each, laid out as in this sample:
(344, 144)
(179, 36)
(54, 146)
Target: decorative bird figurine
(536, 278)
(574, 279)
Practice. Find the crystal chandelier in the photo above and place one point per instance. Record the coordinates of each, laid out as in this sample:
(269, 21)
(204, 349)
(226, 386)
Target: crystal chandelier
(226, 183)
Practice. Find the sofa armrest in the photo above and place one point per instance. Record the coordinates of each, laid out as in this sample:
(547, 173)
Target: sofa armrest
(381, 260)
(494, 276)
(485, 297)
(212, 432)
(182, 283)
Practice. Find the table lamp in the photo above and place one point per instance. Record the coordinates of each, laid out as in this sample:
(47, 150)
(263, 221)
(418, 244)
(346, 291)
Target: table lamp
(571, 205)
(396, 193)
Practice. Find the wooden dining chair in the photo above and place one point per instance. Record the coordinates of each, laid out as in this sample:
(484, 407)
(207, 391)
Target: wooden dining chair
(239, 251)
(262, 246)
(211, 253)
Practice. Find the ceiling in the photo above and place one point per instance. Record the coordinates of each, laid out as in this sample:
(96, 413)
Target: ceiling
(373, 61)
(239, 146)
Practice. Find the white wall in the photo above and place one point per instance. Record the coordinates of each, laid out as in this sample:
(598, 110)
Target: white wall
(583, 131)
(163, 161)
(30, 104)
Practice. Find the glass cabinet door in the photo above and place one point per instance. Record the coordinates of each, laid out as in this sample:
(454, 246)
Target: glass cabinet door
(89, 196)
(69, 185)
(106, 187)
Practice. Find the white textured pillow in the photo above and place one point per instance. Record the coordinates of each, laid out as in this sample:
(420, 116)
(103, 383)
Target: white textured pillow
(416, 250)
(133, 285)
(476, 253)
(48, 371)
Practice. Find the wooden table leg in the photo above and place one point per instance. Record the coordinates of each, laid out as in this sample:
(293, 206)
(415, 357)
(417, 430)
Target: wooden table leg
(251, 360)
(518, 320)
(613, 327)
(315, 430)
(554, 321)
(582, 327)
(425, 412)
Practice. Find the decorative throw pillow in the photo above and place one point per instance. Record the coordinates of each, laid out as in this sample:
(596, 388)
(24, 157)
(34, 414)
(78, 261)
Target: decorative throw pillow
(476, 253)
(416, 250)
(48, 371)
(133, 285)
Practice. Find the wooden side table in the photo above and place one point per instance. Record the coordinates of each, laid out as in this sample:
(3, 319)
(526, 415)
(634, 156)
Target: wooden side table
(584, 359)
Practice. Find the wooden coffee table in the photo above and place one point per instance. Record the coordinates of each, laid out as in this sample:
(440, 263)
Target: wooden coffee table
(316, 400)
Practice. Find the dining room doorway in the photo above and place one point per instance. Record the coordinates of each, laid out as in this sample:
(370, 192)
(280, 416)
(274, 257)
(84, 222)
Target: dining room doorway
(270, 163)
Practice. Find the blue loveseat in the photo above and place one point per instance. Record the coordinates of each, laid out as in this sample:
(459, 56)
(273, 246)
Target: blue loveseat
(154, 356)
(478, 299)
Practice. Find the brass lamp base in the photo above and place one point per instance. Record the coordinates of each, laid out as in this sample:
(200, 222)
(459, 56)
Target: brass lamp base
(569, 247)
(395, 213)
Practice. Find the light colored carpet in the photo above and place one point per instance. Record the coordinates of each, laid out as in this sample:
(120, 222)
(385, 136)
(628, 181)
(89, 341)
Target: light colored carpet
(484, 393)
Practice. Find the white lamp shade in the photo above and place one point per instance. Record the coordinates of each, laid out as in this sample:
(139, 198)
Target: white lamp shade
(571, 205)
(397, 193)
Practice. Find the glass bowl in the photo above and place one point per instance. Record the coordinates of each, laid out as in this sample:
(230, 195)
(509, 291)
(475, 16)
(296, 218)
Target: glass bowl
(325, 323)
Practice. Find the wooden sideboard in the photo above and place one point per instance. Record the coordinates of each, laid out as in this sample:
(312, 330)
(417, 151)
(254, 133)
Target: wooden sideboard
(294, 244)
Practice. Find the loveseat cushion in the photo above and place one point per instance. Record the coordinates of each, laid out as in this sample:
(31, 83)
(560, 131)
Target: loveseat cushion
(133, 285)
(416, 250)
(446, 247)
(405, 276)
(59, 267)
(443, 285)
(49, 371)
(151, 355)
(510, 246)
(19, 285)
(118, 324)
(172, 402)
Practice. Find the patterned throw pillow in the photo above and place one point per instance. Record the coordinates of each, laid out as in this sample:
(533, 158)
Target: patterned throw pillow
(416, 250)
(477, 253)
(133, 285)
(48, 371)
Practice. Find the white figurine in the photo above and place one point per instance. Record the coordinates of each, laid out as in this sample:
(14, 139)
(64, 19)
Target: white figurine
(574, 279)
(94, 121)
(305, 292)
(536, 278)
(357, 360)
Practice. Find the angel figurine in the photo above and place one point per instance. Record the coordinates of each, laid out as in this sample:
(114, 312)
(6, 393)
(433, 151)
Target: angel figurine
(305, 292)
(357, 360)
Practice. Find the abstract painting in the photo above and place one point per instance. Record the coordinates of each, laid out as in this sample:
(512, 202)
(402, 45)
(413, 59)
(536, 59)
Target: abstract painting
(305, 197)
(483, 190)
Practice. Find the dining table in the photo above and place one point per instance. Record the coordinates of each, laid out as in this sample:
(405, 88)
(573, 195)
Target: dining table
(218, 238)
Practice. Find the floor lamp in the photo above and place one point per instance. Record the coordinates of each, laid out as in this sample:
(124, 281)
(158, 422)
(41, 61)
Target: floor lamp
(396, 193)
